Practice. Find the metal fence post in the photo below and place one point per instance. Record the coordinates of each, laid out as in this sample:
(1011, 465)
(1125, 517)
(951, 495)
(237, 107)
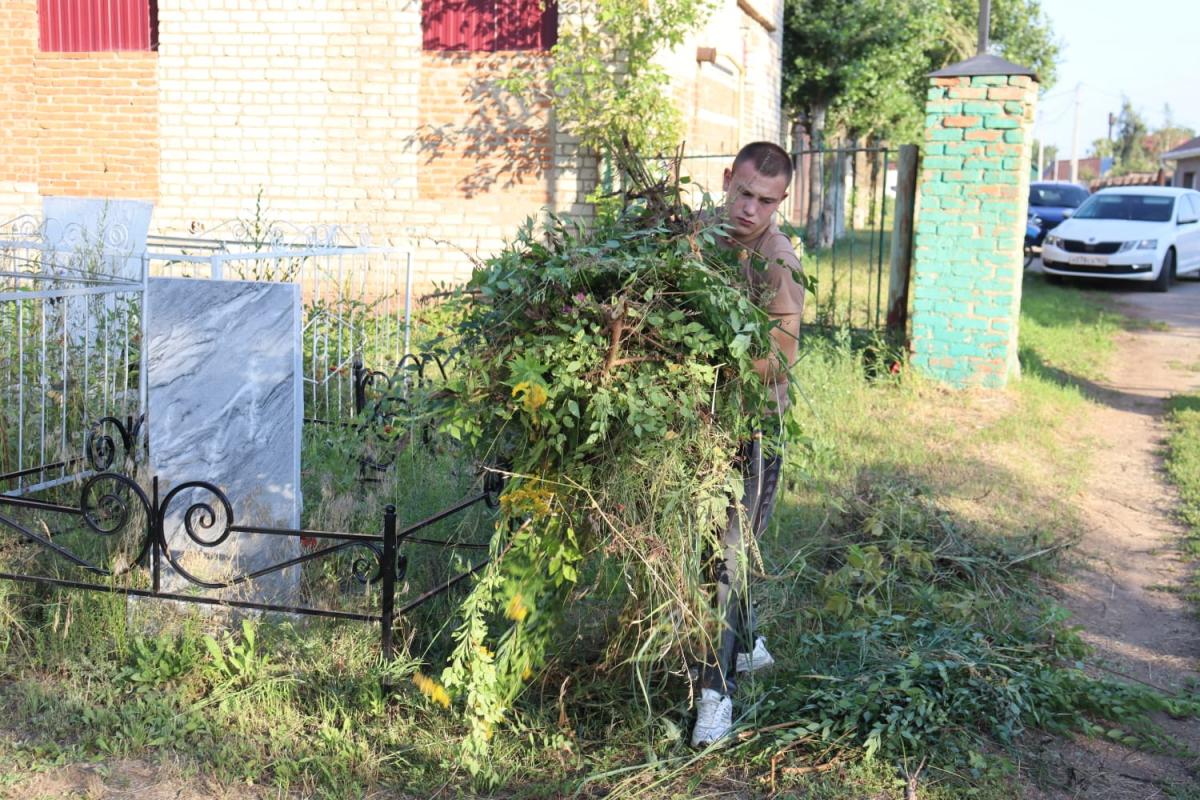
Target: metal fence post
(360, 387)
(408, 284)
(158, 538)
(902, 242)
(388, 601)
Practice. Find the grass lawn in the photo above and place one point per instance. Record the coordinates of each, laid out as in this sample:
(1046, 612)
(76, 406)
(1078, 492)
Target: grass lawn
(1183, 464)
(900, 593)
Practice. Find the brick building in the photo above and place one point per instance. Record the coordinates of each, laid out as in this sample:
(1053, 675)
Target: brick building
(363, 113)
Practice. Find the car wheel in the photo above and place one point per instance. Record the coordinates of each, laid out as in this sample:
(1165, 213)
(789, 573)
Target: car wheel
(1166, 275)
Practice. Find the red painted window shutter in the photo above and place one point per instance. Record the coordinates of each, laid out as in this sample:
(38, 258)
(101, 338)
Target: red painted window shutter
(489, 25)
(90, 26)
(526, 25)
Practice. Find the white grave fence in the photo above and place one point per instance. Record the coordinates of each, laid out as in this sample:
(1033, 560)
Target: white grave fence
(70, 352)
(357, 299)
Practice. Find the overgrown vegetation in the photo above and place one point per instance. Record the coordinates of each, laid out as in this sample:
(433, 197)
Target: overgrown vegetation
(605, 78)
(609, 371)
(1183, 463)
(901, 592)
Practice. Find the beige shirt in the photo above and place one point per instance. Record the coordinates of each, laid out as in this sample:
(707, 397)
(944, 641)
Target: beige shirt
(776, 287)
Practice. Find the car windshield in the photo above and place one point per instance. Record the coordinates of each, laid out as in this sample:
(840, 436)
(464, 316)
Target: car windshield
(1066, 196)
(1137, 207)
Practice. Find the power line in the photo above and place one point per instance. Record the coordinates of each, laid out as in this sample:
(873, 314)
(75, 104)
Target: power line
(1052, 95)
(1066, 110)
(1118, 95)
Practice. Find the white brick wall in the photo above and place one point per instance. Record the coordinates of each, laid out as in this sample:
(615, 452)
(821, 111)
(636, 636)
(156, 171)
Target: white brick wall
(735, 100)
(18, 198)
(311, 101)
(305, 100)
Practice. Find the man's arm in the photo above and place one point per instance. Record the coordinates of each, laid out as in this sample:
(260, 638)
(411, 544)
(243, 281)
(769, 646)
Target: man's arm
(785, 340)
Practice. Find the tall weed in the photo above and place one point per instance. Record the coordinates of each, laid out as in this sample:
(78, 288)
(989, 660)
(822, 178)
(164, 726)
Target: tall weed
(901, 592)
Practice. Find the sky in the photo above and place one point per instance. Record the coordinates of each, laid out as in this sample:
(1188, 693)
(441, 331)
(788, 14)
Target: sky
(1147, 50)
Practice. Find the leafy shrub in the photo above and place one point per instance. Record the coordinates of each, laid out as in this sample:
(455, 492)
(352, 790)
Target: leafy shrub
(610, 371)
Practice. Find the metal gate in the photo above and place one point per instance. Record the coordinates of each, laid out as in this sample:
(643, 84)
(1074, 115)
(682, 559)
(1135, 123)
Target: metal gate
(840, 207)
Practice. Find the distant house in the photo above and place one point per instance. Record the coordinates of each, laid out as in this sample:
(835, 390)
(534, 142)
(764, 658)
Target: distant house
(1186, 158)
(374, 114)
(1089, 169)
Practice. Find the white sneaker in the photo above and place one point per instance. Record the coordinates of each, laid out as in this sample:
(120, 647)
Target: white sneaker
(758, 659)
(714, 718)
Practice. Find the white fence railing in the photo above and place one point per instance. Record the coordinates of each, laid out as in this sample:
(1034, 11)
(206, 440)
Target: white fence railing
(357, 298)
(70, 350)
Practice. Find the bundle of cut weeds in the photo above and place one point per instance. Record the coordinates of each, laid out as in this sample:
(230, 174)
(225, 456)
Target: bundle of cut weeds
(609, 370)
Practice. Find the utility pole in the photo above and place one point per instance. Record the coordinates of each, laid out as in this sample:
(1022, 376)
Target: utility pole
(1075, 135)
(985, 15)
(1037, 115)
(1037, 139)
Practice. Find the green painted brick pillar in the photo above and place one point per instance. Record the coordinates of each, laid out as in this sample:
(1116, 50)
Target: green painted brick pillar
(973, 193)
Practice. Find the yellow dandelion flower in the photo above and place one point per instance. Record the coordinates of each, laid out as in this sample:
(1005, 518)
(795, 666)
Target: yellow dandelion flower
(517, 610)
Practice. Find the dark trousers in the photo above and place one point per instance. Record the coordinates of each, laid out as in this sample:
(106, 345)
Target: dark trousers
(760, 475)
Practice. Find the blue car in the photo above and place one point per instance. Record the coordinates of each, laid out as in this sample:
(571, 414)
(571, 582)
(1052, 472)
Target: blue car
(1049, 203)
(1033, 231)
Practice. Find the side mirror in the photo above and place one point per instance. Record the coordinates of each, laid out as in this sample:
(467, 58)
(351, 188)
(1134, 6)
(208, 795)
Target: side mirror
(1186, 220)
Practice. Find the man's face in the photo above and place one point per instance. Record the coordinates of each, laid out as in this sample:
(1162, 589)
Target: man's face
(751, 198)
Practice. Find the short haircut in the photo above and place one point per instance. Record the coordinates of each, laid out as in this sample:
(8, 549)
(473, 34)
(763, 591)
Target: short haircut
(767, 157)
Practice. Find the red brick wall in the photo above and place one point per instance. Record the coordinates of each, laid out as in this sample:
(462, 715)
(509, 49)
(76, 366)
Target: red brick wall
(97, 120)
(78, 124)
(477, 142)
(18, 47)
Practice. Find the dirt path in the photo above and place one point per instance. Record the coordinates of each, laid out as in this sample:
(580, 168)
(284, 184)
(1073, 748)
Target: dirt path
(1127, 597)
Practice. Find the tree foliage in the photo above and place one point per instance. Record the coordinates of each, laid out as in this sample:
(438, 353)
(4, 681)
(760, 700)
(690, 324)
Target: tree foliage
(603, 80)
(1130, 147)
(1136, 148)
(853, 59)
(1101, 148)
(862, 63)
(1169, 136)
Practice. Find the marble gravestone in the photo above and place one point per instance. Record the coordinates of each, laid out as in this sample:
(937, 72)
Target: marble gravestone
(116, 228)
(225, 406)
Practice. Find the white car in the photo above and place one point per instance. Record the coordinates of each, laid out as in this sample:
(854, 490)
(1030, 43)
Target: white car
(1133, 233)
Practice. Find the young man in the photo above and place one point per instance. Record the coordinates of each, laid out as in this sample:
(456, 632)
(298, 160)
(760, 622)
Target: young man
(754, 185)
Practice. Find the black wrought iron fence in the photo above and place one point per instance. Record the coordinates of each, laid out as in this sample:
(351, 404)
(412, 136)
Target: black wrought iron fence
(115, 508)
(841, 211)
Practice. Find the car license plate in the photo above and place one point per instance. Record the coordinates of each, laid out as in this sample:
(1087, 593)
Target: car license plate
(1090, 261)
